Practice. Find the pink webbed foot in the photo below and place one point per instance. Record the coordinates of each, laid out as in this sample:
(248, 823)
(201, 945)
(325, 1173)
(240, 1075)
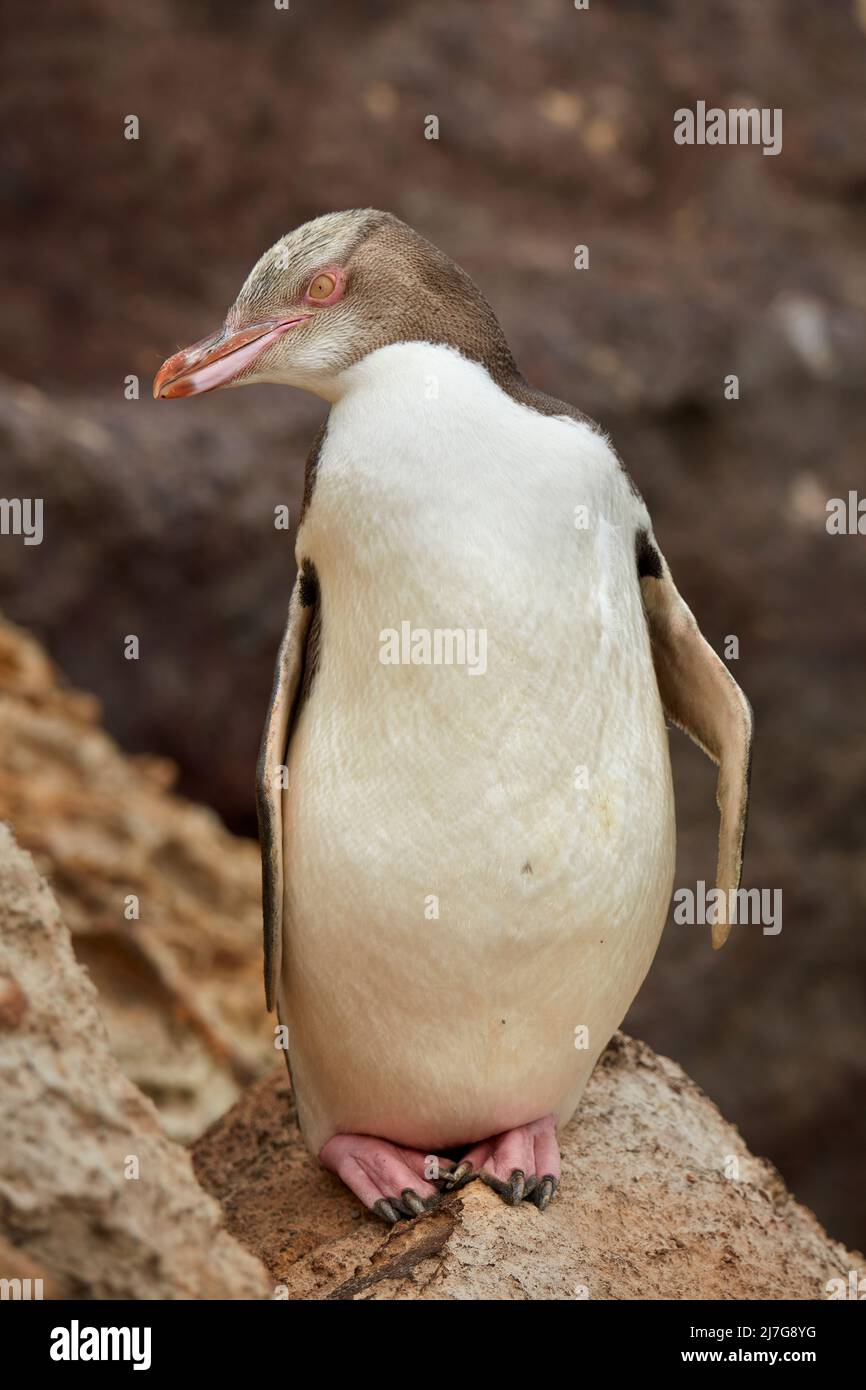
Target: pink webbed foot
(388, 1179)
(520, 1164)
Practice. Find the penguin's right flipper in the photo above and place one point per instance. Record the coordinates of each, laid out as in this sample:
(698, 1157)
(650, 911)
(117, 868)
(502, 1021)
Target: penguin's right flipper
(289, 681)
(701, 697)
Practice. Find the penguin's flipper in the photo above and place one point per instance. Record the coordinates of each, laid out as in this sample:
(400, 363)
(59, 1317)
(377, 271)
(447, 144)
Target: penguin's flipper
(270, 779)
(701, 697)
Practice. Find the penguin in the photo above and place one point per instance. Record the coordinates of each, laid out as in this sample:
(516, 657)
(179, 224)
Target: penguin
(464, 786)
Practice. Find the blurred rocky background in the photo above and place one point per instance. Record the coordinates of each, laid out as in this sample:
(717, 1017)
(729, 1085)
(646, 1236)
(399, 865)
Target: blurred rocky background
(556, 129)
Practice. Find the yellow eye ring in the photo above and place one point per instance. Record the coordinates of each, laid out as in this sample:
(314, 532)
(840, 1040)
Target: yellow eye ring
(322, 287)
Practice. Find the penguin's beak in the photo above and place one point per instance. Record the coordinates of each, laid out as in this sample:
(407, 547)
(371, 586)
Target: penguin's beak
(219, 359)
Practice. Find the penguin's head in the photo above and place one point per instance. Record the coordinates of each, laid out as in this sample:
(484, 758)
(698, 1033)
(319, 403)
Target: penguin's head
(328, 294)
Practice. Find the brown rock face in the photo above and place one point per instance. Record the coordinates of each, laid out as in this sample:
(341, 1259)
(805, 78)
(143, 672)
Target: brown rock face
(163, 904)
(161, 524)
(660, 1199)
(91, 1191)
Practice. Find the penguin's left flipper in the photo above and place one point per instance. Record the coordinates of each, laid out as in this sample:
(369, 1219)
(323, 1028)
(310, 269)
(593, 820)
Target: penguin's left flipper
(701, 697)
(289, 679)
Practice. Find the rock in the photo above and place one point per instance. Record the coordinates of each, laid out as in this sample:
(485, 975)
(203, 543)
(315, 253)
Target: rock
(661, 1199)
(74, 1127)
(160, 523)
(179, 986)
(24, 1279)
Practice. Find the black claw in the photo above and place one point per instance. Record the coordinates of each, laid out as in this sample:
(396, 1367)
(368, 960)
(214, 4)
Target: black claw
(513, 1191)
(384, 1209)
(404, 1207)
(516, 1187)
(459, 1175)
(411, 1200)
(531, 1185)
(545, 1190)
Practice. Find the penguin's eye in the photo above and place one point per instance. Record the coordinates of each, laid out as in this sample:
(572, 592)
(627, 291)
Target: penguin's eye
(322, 287)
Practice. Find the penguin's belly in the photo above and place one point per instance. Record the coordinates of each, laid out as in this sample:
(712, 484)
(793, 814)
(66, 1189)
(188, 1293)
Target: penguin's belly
(478, 870)
(478, 852)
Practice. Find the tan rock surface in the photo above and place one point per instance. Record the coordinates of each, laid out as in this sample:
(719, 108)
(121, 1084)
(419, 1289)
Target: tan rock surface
(70, 1124)
(645, 1212)
(24, 1278)
(180, 987)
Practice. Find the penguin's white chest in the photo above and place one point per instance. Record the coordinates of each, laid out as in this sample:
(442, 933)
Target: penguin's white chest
(479, 824)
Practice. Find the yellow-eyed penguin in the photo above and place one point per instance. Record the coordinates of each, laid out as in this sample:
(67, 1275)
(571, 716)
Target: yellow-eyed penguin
(465, 799)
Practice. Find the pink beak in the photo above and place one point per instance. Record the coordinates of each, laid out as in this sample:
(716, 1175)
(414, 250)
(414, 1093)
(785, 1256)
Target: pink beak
(217, 360)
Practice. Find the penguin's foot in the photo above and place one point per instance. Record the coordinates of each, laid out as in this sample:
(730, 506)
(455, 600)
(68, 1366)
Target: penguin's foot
(388, 1179)
(521, 1164)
